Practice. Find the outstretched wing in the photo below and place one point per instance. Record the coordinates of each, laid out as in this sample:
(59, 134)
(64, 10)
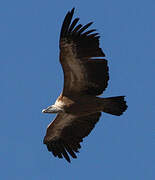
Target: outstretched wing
(65, 133)
(84, 72)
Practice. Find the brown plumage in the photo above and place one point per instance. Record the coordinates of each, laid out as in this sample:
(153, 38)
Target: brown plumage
(85, 77)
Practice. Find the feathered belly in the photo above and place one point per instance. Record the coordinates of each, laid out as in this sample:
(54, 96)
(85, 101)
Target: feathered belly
(84, 106)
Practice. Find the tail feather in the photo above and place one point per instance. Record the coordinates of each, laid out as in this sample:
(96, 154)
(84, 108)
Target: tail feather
(114, 105)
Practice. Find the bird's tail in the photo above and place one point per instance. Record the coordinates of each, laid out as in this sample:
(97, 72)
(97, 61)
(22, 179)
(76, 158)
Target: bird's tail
(114, 105)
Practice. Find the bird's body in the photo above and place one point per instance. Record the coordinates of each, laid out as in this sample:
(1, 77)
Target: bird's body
(86, 76)
(85, 105)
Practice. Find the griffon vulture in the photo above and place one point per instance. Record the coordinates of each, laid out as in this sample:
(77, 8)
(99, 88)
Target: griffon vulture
(86, 76)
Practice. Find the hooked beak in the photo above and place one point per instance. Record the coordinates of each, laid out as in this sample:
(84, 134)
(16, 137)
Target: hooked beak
(44, 111)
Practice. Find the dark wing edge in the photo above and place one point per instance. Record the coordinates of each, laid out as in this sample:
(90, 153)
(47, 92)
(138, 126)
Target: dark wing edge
(64, 140)
(85, 45)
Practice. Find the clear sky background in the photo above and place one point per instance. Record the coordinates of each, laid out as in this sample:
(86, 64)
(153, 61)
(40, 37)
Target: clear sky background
(119, 148)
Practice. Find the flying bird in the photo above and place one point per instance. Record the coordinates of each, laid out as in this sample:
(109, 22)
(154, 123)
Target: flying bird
(86, 76)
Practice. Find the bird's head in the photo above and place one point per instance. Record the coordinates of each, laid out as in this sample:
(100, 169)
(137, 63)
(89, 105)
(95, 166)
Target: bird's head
(52, 109)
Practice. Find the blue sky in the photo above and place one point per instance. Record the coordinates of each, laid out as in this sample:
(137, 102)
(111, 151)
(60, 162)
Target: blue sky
(119, 148)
